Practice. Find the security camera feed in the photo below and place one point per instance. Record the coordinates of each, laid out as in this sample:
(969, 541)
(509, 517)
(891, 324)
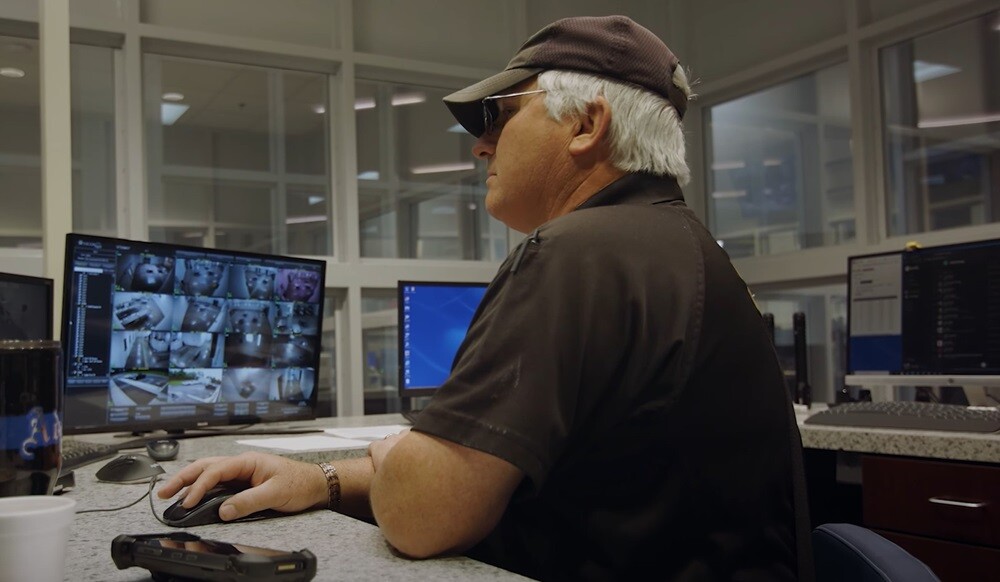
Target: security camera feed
(163, 336)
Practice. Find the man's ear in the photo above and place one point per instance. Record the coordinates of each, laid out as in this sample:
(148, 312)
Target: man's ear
(594, 127)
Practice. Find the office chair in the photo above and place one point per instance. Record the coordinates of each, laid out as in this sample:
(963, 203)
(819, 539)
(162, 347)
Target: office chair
(848, 553)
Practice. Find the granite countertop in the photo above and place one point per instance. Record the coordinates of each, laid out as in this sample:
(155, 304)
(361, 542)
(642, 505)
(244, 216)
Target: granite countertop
(345, 548)
(355, 550)
(945, 445)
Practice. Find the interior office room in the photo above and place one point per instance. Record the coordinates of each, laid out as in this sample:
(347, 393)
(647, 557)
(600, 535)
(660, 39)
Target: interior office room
(821, 130)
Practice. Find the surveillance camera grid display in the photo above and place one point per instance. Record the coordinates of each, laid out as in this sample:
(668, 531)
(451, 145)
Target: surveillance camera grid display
(226, 333)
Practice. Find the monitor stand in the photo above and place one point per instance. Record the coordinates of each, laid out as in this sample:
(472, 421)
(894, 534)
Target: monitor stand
(193, 433)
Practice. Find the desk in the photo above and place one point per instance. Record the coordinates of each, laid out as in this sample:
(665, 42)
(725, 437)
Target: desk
(354, 550)
(928, 444)
(900, 483)
(345, 548)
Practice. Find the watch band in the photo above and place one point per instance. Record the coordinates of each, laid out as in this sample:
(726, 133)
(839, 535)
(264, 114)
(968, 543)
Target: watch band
(332, 485)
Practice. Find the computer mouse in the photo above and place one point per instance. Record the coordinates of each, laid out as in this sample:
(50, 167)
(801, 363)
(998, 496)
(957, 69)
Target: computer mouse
(207, 510)
(163, 449)
(129, 469)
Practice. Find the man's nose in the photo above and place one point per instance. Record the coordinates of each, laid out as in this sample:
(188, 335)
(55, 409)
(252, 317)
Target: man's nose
(485, 146)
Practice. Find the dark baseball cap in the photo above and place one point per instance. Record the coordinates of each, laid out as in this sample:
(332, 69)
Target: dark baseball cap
(614, 47)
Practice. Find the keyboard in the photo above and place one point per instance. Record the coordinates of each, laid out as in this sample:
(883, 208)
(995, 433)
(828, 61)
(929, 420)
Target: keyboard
(79, 453)
(910, 415)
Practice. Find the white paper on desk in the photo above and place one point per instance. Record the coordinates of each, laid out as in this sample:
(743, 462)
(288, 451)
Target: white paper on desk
(366, 433)
(306, 443)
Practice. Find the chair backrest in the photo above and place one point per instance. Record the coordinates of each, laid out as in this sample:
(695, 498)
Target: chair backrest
(844, 552)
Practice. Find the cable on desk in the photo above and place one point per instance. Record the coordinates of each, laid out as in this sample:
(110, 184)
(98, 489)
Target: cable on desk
(151, 508)
(148, 493)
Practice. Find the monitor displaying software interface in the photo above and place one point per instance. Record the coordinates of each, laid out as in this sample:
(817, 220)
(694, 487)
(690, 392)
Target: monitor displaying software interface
(159, 336)
(25, 307)
(433, 320)
(925, 316)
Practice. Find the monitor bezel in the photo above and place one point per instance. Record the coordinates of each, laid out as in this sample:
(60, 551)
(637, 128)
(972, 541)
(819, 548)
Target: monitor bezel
(880, 378)
(48, 285)
(181, 424)
(421, 391)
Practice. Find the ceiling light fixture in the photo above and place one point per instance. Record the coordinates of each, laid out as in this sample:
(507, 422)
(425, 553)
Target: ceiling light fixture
(173, 96)
(727, 194)
(734, 165)
(11, 72)
(408, 98)
(925, 71)
(364, 103)
(440, 168)
(319, 109)
(953, 121)
(171, 112)
(305, 219)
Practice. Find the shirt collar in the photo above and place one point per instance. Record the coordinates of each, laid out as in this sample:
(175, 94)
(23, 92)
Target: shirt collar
(637, 188)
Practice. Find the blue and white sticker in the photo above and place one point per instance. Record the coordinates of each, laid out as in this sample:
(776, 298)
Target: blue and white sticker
(35, 430)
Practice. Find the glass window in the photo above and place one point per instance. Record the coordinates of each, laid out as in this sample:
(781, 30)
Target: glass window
(93, 141)
(238, 156)
(327, 400)
(825, 311)
(92, 97)
(420, 189)
(780, 174)
(380, 344)
(301, 22)
(941, 106)
(20, 144)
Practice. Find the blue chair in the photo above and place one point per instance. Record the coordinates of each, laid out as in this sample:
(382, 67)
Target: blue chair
(843, 552)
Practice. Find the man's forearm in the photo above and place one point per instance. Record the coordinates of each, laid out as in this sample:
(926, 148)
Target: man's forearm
(355, 485)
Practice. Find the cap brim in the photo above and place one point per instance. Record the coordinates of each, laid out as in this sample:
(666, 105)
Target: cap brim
(466, 104)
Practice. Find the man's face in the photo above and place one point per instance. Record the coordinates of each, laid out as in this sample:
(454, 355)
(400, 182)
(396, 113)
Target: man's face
(523, 155)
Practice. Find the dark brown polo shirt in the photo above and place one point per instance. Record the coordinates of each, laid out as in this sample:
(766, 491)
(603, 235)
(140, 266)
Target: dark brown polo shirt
(618, 360)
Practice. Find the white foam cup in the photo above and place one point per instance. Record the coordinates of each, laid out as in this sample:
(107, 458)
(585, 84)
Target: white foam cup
(34, 531)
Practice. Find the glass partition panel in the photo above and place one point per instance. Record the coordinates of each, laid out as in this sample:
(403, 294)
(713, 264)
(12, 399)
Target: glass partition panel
(380, 345)
(92, 134)
(92, 97)
(421, 189)
(240, 153)
(780, 172)
(825, 311)
(941, 111)
(327, 403)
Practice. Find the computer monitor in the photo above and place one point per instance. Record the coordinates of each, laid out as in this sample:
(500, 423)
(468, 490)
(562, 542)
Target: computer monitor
(925, 317)
(170, 337)
(433, 319)
(25, 307)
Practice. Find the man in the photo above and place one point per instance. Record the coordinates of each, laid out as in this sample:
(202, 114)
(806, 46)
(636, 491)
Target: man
(616, 409)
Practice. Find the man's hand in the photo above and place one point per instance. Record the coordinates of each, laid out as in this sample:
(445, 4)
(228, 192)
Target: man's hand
(277, 483)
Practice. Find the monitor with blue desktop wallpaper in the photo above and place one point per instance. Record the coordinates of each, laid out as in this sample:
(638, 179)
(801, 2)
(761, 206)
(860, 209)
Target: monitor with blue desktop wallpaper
(926, 316)
(433, 319)
(25, 307)
(169, 337)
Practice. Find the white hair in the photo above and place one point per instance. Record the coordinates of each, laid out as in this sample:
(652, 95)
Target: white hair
(646, 134)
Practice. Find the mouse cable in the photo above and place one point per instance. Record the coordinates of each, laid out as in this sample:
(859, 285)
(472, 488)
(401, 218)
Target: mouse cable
(148, 493)
(151, 508)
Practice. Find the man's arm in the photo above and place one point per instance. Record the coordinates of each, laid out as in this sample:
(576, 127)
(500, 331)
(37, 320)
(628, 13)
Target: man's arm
(278, 483)
(431, 496)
